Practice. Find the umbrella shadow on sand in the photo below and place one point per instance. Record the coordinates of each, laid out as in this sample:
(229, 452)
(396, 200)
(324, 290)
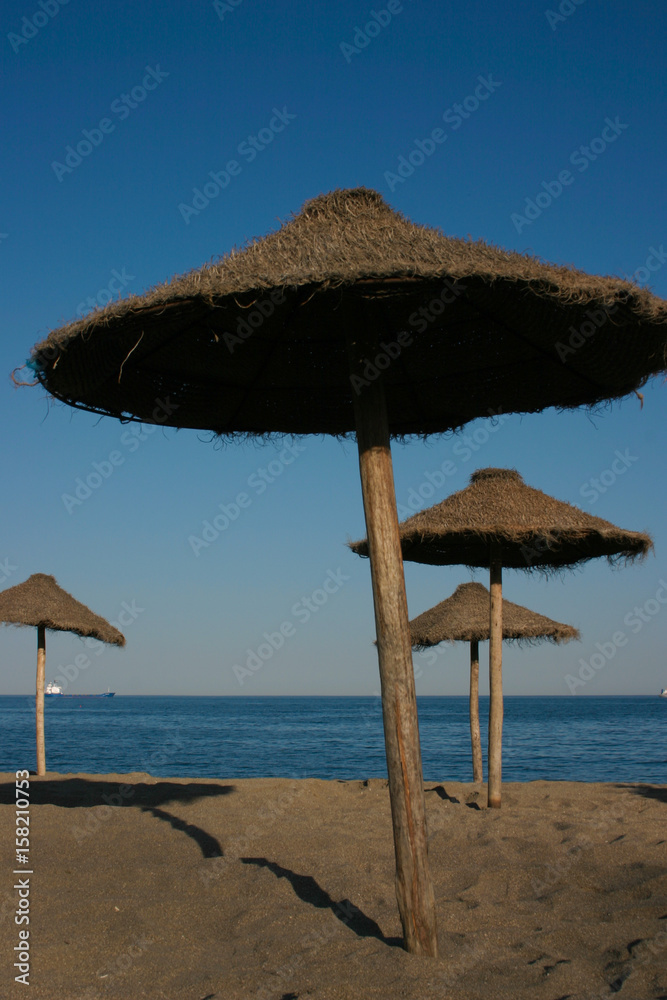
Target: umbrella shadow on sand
(307, 889)
(443, 794)
(209, 846)
(73, 793)
(658, 792)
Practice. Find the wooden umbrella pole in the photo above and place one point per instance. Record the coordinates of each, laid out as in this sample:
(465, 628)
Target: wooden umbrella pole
(495, 764)
(475, 735)
(414, 889)
(39, 698)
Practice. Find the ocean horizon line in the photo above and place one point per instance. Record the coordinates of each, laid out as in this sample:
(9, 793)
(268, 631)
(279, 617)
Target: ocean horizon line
(89, 694)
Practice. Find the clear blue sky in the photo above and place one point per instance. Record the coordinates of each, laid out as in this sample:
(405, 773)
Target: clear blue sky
(217, 73)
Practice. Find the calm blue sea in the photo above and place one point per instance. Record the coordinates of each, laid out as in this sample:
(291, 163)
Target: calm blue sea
(556, 738)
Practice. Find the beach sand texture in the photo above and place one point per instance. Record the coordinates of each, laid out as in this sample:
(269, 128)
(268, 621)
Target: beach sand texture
(273, 889)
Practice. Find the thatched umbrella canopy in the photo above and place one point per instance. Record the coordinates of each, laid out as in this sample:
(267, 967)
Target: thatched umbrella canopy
(258, 342)
(40, 602)
(534, 529)
(499, 521)
(464, 617)
(350, 318)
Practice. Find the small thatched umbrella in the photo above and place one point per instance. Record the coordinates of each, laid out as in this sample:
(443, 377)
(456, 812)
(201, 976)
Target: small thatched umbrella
(464, 617)
(39, 601)
(351, 319)
(499, 521)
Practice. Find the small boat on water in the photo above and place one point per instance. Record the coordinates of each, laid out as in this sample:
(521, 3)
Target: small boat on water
(663, 693)
(53, 690)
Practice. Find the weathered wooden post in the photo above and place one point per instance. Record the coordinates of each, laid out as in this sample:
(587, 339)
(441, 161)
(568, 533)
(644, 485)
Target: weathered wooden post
(495, 764)
(414, 889)
(475, 735)
(39, 699)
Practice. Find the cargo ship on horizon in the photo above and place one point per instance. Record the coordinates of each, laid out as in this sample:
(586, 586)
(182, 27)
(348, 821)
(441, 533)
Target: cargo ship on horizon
(53, 690)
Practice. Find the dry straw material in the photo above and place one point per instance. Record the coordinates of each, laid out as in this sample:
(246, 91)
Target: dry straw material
(532, 529)
(40, 601)
(464, 617)
(255, 343)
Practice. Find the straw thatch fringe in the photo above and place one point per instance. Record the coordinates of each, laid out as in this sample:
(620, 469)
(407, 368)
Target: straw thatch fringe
(534, 530)
(40, 601)
(465, 617)
(255, 342)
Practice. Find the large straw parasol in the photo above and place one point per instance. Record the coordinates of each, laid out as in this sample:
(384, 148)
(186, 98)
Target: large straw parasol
(499, 521)
(464, 617)
(39, 601)
(351, 319)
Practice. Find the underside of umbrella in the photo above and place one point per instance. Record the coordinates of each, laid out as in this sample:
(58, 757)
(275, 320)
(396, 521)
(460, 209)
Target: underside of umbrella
(257, 343)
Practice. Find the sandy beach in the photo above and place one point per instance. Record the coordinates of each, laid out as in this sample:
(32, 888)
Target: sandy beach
(275, 889)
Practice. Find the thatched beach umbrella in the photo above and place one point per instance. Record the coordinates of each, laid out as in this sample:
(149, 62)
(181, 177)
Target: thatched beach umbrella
(39, 601)
(351, 319)
(464, 617)
(499, 521)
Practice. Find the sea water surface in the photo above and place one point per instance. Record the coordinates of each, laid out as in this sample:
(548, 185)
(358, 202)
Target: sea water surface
(555, 738)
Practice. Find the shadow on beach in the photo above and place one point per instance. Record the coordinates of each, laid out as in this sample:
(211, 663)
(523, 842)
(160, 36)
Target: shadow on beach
(658, 792)
(73, 793)
(443, 794)
(209, 846)
(311, 892)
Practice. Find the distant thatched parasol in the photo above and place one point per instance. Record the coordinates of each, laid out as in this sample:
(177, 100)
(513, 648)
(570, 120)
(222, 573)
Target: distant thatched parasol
(499, 521)
(465, 617)
(351, 318)
(534, 529)
(39, 601)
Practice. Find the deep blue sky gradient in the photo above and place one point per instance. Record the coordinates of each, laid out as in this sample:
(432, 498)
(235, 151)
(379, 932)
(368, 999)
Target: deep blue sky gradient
(118, 211)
